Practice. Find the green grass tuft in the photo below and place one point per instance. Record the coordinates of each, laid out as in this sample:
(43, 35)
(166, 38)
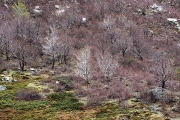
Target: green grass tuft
(65, 101)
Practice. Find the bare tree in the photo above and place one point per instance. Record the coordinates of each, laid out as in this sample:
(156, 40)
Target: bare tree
(102, 43)
(109, 25)
(138, 47)
(6, 37)
(63, 49)
(84, 68)
(21, 51)
(100, 6)
(107, 65)
(50, 47)
(162, 69)
(123, 43)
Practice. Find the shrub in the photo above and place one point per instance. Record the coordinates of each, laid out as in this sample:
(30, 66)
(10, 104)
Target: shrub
(81, 92)
(28, 95)
(46, 90)
(65, 101)
(95, 100)
(148, 97)
(64, 84)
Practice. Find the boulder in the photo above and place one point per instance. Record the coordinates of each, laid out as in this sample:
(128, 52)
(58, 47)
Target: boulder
(156, 8)
(2, 88)
(37, 11)
(84, 19)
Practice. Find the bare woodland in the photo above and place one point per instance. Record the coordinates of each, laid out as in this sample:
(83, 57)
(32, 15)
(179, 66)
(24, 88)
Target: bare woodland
(112, 47)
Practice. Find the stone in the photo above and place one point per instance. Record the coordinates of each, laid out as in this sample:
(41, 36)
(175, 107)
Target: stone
(5, 72)
(57, 82)
(174, 20)
(57, 6)
(32, 69)
(2, 88)
(7, 78)
(84, 19)
(59, 12)
(37, 11)
(156, 8)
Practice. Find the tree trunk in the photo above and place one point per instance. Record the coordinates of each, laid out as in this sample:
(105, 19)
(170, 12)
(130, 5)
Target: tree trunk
(53, 62)
(141, 58)
(163, 83)
(123, 53)
(7, 55)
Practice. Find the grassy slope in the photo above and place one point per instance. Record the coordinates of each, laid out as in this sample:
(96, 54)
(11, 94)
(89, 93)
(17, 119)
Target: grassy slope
(63, 106)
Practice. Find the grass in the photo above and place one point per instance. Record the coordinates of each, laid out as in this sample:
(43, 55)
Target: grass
(65, 101)
(134, 111)
(63, 106)
(32, 110)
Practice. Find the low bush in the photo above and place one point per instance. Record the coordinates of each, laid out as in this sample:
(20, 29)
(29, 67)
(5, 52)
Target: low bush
(28, 95)
(148, 97)
(63, 84)
(65, 101)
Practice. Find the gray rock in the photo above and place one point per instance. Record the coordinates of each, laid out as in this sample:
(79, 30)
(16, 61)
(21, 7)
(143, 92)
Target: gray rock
(158, 93)
(2, 88)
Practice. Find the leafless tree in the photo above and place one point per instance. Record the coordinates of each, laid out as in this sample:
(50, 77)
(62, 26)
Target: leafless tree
(20, 51)
(102, 43)
(138, 47)
(107, 65)
(50, 47)
(162, 69)
(100, 7)
(123, 43)
(84, 68)
(6, 37)
(63, 49)
(109, 25)
(116, 6)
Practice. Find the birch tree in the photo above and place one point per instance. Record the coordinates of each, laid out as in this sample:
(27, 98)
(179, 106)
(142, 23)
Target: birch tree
(84, 67)
(107, 65)
(50, 47)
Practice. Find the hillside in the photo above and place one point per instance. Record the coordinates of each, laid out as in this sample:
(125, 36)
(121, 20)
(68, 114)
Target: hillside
(90, 59)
